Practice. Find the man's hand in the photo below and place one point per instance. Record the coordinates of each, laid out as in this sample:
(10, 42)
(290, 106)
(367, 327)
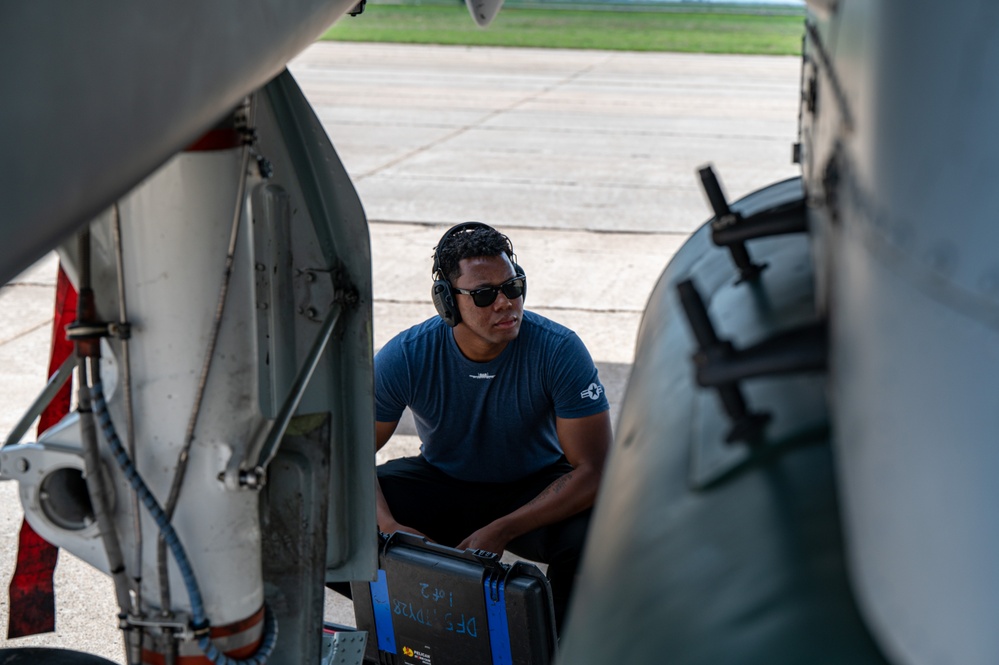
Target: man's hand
(491, 538)
(395, 526)
(584, 441)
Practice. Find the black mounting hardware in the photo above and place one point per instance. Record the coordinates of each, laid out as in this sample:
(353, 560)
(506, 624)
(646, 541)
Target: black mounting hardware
(746, 425)
(721, 366)
(730, 229)
(88, 331)
(726, 219)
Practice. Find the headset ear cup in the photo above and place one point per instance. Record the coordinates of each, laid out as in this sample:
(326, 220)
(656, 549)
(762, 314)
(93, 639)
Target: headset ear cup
(444, 302)
(520, 271)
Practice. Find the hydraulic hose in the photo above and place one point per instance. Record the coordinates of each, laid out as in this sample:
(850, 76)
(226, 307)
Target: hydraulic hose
(99, 492)
(88, 357)
(135, 645)
(201, 624)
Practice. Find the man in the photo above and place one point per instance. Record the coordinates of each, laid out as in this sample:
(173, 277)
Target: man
(511, 415)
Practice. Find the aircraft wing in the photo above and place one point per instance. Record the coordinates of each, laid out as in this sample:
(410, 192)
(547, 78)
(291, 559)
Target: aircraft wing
(97, 95)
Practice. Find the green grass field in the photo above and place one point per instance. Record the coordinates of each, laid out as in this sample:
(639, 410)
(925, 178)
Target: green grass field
(714, 30)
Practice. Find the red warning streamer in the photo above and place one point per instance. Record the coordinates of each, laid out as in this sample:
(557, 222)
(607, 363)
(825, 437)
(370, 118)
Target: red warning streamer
(32, 593)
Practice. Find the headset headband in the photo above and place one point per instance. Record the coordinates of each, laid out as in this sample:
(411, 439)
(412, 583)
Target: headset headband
(436, 273)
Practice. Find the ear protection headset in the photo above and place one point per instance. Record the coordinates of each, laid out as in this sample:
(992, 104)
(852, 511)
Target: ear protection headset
(441, 292)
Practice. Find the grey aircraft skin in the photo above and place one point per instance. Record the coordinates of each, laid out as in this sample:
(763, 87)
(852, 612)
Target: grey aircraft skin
(91, 86)
(804, 467)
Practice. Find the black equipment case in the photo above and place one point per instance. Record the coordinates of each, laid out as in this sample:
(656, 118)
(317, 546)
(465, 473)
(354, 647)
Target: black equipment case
(434, 605)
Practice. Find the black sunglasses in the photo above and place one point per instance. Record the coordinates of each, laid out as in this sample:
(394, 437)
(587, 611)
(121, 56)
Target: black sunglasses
(486, 296)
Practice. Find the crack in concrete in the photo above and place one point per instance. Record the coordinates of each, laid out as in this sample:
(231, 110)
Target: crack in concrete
(543, 182)
(25, 333)
(516, 129)
(558, 308)
(489, 116)
(525, 227)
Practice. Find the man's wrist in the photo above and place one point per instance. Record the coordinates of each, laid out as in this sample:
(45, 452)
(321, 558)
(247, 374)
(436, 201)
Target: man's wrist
(506, 528)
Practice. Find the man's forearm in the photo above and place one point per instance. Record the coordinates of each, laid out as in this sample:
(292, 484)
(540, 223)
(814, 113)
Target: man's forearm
(566, 496)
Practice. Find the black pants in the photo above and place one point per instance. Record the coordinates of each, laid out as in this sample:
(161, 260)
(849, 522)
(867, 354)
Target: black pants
(448, 510)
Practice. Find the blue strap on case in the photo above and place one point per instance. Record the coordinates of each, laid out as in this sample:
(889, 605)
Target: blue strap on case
(383, 613)
(499, 629)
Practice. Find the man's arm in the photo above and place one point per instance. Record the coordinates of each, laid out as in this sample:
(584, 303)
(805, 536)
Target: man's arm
(585, 442)
(386, 522)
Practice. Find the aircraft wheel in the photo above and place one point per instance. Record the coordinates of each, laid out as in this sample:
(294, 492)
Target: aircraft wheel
(46, 656)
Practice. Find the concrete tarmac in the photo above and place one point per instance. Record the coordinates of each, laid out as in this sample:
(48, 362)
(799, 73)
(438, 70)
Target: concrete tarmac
(586, 159)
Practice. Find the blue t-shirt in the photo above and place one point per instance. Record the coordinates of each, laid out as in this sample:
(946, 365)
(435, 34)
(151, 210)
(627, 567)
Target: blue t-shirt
(492, 421)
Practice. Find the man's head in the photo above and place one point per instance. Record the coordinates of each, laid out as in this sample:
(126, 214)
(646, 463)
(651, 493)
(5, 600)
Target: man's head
(478, 284)
(466, 241)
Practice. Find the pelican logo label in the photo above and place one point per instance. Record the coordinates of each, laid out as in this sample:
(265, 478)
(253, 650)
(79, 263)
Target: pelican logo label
(482, 375)
(416, 656)
(594, 391)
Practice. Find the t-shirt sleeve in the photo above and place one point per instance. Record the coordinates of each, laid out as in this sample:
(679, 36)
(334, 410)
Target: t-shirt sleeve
(576, 391)
(391, 382)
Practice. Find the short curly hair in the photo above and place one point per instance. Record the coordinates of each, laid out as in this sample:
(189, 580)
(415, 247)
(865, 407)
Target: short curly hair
(465, 243)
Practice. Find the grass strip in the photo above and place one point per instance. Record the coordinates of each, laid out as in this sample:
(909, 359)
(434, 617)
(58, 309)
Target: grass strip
(731, 31)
